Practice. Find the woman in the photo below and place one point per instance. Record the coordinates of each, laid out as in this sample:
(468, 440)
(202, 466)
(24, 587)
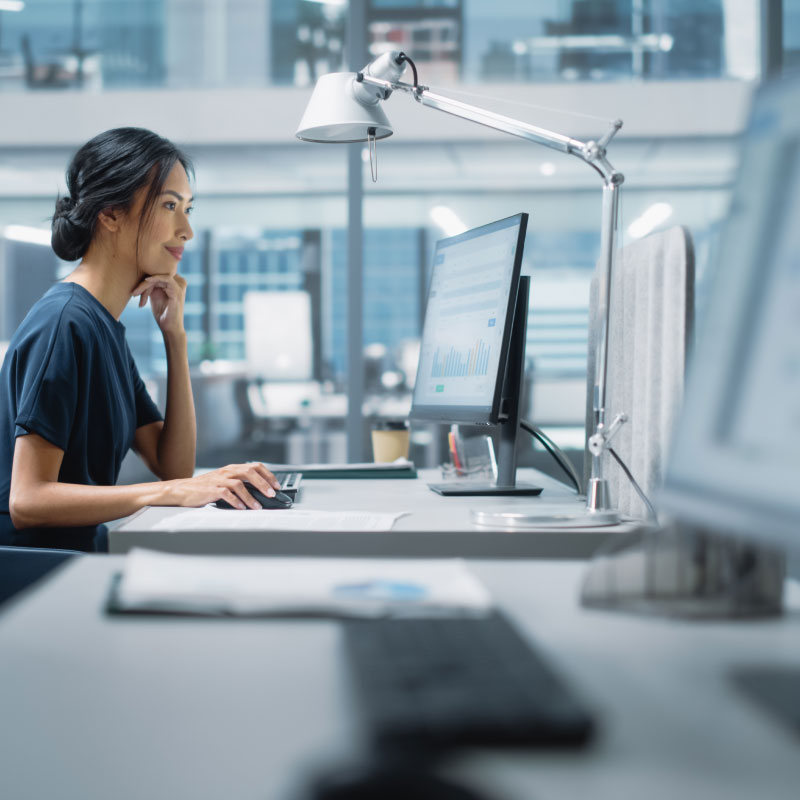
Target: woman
(71, 400)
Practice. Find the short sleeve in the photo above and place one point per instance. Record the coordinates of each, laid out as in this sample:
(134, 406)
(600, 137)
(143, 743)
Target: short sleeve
(47, 392)
(146, 409)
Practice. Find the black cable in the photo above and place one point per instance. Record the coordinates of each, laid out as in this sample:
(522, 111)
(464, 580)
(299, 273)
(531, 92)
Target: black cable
(403, 57)
(642, 495)
(554, 450)
(565, 464)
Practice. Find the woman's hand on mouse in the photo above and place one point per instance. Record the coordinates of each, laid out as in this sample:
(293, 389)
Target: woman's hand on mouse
(226, 483)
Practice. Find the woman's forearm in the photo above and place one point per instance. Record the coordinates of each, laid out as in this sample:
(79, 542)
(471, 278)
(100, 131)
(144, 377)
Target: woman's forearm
(43, 504)
(178, 438)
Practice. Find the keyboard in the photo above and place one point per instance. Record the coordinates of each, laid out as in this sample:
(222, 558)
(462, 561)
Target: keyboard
(442, 683)
(290, 482)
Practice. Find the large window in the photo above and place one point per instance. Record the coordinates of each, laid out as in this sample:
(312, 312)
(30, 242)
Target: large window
(393, 271)
(272, 213)
(552, 40)
(105, 44)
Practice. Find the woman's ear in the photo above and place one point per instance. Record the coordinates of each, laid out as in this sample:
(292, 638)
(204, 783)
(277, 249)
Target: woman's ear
(110, 219)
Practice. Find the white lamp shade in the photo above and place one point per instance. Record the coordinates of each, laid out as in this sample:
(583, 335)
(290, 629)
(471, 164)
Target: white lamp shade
(334, 115)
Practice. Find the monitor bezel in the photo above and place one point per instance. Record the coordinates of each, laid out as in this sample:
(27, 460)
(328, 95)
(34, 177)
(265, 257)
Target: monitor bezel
(480, 415)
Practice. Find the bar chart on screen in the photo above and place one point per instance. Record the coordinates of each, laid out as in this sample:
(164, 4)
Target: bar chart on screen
(467, 304)
(461, 363)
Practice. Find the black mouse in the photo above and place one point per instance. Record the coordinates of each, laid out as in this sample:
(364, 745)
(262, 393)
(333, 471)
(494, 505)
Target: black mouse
(280, 500)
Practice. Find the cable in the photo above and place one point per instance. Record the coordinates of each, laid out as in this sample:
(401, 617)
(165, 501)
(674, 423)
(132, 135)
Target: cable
(403, 57)
(505, 101)
(554, 450)
(373, 151)
(642, 496)
(567, 467)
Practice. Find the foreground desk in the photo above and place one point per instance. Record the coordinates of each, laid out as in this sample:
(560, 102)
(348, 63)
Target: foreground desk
(102, 707)
(435, 526)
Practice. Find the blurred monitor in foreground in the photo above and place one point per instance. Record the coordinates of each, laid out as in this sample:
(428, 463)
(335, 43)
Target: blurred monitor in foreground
(735, 462)
(731, 486)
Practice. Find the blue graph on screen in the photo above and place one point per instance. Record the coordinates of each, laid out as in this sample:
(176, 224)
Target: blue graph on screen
(461, 363)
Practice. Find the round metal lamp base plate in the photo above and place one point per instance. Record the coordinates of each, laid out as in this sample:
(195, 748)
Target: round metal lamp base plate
(528, 521)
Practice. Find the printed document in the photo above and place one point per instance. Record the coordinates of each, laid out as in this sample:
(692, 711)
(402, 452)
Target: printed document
(350, 587)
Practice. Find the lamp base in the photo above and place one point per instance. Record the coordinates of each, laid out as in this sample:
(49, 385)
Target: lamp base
(473, 488)
(532, 520)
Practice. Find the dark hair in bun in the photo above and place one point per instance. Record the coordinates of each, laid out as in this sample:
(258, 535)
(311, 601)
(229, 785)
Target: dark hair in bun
(106, 173)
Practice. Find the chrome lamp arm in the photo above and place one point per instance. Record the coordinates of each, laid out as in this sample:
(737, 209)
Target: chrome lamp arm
(593, 153)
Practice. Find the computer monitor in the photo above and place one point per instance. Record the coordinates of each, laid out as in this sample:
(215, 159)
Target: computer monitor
(27, 270)
(735, 461)
(473, 342)
(278, 335)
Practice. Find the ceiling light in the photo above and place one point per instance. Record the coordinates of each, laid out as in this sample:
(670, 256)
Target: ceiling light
(447, 220)
(24, 233)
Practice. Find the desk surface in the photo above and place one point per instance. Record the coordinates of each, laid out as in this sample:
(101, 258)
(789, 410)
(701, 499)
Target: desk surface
(99, 707)
(435, 527)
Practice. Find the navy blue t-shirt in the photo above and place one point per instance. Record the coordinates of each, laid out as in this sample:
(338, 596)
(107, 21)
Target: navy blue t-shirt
(69, 377)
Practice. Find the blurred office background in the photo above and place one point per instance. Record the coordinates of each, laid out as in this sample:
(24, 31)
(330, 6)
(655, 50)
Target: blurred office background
(228, 80)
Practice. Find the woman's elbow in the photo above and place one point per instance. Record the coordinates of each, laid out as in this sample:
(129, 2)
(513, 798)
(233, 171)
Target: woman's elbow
(21, 511)
(175, 472)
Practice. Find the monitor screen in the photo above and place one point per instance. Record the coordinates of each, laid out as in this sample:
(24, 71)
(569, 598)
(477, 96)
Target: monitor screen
(735, 464)
(278, 335)
(468, 321)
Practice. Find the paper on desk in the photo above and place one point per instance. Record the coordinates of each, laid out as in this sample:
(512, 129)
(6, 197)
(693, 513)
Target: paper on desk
(153, 581)
(290, 519)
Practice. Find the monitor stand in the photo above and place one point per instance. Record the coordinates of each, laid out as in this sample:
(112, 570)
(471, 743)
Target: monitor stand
(683, 571)
(506, 483)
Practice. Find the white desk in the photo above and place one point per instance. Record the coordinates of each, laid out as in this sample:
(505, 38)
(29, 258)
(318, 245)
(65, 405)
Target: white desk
(100, 707)
(437, 526)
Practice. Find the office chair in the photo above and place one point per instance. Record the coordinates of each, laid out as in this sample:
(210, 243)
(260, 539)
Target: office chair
(21, 567)
(650, 327)
(38, 75)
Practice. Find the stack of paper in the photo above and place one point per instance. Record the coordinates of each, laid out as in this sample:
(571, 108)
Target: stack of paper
(400, 468)
(292, 519)
(165, 582)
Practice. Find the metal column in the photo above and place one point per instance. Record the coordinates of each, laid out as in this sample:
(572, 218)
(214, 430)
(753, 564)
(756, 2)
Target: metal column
(356, 58)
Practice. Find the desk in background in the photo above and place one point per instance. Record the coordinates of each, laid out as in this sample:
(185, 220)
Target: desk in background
(436, 526)
(95, 707)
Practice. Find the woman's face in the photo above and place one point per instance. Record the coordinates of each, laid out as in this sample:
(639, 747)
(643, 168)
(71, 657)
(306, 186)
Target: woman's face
(162, 237)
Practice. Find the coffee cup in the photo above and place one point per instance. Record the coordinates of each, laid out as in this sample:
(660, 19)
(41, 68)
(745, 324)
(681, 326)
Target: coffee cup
(390, 440)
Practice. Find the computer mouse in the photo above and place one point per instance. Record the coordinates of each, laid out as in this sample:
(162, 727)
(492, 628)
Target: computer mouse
(280, 500)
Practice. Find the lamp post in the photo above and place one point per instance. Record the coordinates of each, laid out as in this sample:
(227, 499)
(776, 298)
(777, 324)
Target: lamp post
(346, 107)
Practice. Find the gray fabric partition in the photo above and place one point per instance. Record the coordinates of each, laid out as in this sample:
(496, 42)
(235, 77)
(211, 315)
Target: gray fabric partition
(651, 319)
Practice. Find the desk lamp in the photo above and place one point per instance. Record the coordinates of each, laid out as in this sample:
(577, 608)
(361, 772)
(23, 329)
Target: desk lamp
(345, 107)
